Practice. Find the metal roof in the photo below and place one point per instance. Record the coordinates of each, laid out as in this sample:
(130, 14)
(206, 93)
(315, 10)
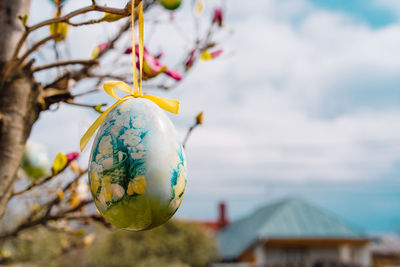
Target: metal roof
(289, 218)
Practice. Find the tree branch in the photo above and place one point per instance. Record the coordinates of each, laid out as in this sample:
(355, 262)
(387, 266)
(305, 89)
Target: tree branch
(31, 222)
(37, 45)
(94, 7)
(199, 121)
(66, 62)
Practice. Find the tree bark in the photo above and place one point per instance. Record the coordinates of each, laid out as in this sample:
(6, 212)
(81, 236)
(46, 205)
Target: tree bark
(19, 107)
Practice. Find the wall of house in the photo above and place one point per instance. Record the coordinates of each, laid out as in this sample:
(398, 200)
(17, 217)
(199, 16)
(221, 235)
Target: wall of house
(312, 255)
(362, 255)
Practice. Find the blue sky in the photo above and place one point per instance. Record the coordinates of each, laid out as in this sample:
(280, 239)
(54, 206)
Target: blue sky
(369, 11)
(306, 102)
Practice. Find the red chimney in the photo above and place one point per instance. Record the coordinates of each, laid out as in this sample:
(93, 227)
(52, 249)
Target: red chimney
(222, 220)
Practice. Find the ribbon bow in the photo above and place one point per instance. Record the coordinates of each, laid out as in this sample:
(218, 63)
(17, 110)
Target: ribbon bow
(110, 86)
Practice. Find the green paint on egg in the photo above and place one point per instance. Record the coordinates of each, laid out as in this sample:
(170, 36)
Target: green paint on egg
(137, 168)
(170, 4)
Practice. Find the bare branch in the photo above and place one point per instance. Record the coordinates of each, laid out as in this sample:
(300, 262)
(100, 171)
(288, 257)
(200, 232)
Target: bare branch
(188, 135)
(66, 18)
(96, 90)
(66, 62)
(30, 221)
(38, 183)
(199, 121)
(85, 105)
(37, 45)
(89, 22)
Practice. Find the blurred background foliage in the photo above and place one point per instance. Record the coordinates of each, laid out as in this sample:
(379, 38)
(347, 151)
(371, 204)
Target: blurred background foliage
(177, 243)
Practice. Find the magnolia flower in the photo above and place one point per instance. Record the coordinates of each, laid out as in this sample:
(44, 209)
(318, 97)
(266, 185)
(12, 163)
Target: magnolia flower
(218, 16)
(152, 66)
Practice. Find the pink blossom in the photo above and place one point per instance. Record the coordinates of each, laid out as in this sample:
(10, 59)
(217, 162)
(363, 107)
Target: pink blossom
(128, 51)
(173, 74)
(72, 156)
(218, 16)
(103, 46)
(216, 53)
(152, 65)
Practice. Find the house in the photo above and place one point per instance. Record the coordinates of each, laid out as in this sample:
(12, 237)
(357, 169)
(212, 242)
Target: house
(292, 232)
(385, 250)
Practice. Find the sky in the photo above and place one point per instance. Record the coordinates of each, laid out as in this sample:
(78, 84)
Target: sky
(303, 102)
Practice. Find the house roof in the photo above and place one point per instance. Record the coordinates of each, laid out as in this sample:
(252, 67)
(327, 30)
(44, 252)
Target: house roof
(289, 218)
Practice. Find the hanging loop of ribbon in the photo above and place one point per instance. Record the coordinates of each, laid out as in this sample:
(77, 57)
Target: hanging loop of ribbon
(169, 105)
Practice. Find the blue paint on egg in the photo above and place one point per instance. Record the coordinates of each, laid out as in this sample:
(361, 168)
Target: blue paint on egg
(137, 168)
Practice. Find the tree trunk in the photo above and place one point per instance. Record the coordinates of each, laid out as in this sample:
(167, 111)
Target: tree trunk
(18, 100)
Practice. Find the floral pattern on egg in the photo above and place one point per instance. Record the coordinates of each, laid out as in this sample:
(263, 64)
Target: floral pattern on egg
(137, 168)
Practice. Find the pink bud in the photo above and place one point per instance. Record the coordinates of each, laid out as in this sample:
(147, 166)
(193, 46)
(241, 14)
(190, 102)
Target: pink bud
(216, 53)
(173, 74)
(103, 46)
(72, 156)
(128, 51)
(191, 58)
(218, 16)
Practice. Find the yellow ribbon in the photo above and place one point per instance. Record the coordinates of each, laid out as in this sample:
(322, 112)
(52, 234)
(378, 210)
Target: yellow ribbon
(110, 86)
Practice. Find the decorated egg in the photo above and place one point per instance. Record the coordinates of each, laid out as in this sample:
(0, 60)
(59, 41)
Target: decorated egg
(35, 161)
(171, 4)
(137, 168)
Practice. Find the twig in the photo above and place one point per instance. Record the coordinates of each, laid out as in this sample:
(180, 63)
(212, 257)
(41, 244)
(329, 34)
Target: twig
(37, 45)
(89, 22)
(31, 222)
(66, 62)
(187, 135)
(96, 90)
(38, 183)
(85, 71)
(66, 18)
(85, 105)
(199, 121)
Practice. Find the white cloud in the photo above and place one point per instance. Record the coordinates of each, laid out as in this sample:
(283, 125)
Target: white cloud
(311, 100)
(392, 4)
(266, 108)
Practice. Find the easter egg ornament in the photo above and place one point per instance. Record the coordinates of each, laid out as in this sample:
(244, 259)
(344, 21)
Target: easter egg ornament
(35, 161)
(137, 168)
(170, 4)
